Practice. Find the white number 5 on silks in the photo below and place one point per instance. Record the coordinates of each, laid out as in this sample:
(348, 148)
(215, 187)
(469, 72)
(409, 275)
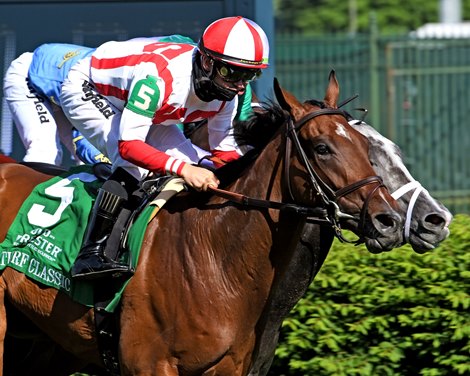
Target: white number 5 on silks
(38, 217)
(144, 97)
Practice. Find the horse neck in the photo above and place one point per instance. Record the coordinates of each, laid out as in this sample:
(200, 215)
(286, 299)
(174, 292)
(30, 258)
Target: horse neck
(263, 179)
(274, 235)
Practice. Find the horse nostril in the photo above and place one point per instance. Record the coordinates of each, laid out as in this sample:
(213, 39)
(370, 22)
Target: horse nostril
(389, 222)
(435, 220)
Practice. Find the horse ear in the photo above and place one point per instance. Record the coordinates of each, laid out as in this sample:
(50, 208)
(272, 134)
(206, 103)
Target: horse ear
(280, 95)
(332, 91)
(286, 100)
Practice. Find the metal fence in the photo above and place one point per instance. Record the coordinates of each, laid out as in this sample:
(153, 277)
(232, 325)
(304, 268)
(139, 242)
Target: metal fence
(416, 91)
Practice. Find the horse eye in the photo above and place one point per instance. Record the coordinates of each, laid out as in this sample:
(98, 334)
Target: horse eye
(322, 149)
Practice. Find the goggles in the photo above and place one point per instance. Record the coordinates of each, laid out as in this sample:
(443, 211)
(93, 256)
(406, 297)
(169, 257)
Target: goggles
(231, 73)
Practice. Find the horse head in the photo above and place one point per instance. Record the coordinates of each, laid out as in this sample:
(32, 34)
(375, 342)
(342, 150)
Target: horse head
(426, 219)
(331, 159)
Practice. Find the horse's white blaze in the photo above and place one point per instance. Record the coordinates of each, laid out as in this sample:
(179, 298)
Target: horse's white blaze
(389, 149)
(397, 162)
(341, 131)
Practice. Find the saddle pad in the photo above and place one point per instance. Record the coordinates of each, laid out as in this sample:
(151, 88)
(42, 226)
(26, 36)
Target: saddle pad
(39, 244)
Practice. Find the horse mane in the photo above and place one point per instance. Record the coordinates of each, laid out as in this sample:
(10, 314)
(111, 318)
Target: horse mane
(316, 102)
(261, 126)
(255, 133)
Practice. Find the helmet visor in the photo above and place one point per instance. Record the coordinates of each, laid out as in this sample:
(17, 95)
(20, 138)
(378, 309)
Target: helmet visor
(232, 73)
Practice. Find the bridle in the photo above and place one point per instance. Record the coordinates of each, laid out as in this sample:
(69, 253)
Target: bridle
(330, 211)
(418, 188)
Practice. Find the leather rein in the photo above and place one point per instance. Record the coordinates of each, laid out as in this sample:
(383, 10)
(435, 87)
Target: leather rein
(330, 212)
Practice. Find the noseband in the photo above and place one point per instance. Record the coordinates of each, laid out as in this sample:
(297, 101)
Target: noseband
(328, 196)
(418, 188)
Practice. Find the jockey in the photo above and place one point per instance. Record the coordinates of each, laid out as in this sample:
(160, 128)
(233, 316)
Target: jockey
(32, 85)
(128, 98)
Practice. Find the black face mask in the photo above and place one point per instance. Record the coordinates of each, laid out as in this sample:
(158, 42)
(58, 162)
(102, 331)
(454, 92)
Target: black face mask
(204, 86)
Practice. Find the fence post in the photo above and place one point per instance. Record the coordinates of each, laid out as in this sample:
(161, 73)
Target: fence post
(374, 73)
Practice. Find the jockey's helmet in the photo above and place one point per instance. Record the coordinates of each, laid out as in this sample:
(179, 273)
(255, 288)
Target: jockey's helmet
(237, 49)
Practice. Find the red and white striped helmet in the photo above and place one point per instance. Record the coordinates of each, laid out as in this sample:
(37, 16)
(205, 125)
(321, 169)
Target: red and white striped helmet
(237, 41)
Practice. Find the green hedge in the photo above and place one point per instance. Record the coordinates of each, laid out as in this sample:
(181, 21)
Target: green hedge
(397, 313)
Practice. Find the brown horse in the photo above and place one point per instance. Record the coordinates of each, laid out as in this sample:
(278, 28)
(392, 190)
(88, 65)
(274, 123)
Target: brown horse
(207, 265)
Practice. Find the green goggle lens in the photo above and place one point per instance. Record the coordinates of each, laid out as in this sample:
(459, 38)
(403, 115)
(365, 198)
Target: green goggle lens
(232, 74)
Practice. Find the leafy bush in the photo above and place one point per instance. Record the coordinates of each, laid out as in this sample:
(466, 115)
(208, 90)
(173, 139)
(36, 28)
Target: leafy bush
(396, 313)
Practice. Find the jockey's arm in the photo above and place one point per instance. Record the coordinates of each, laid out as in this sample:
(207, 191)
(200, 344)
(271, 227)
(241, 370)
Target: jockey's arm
(133, 148)
(146, 156)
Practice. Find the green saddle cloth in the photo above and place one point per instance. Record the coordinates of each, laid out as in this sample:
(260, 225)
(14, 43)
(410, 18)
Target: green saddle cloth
(45, 238)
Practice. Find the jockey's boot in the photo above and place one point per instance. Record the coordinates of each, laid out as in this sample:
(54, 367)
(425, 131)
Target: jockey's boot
(91, 262)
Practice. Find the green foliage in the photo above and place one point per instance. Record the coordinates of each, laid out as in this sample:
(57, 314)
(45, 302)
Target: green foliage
(329, 16)
(396, 313)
